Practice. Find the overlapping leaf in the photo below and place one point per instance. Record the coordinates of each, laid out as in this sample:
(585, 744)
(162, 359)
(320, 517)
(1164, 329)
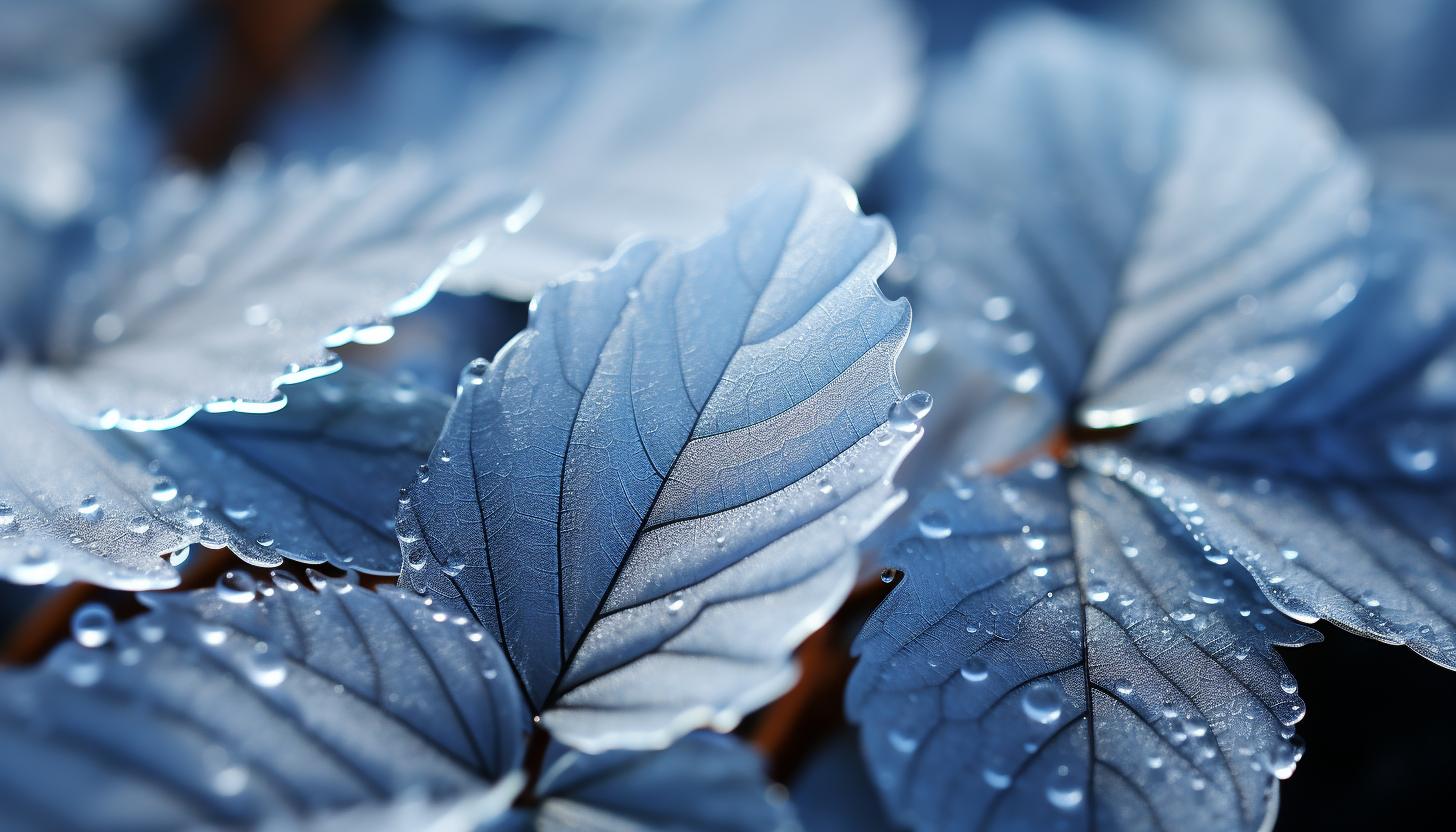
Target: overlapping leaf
(654, 492)
(833, 792)
(660, 138)
(258, 701)
(1199, 232)
(216, 293)
(317, 481)
(1046, 665)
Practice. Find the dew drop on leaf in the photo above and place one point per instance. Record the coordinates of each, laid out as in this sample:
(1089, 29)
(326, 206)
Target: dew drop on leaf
(91, 624)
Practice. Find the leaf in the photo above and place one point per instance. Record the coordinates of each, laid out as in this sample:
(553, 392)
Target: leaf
(833, 793)
(661, 137)
(1375, 559)
(232, 706)
(1047, 661)
(655, 491)
(704, 781)
(69, 509)
(317, 481)
(218, 293)
(1109, 231)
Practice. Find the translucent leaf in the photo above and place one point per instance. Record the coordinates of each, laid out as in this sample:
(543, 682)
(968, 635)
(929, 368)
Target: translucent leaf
(655, 491)
(69, 508)
(317, 481)
(1046, 662)
(662, 136)
(1100, 221)
(704, 781)
(1375, 559)
(214, 294)
(255, 701)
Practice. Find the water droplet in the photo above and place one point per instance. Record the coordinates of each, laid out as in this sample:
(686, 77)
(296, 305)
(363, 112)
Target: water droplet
(903, 743)
(453, 568)
(415, 557)
(1064, 793)
(164, 491)
(1036, 544)
(193, 516)
(264, 540)
(1288, 683)
(825, 486)
(919, 403)
(1042, 703)
(316, 579)
(1130, 551)
(975, 670)
(675, 602)
(1155, 761)
(236, 587)
(211, 634)
(1027, 380)
(7, 515)
(882, 436)
(887, 575)
(1097, 592)
(1123, 686)
(1282, 761)
(91, 624)
(935, 525)
(266, 668)
(996, 779)
(240, 512)
(89, 505)
(902, 419)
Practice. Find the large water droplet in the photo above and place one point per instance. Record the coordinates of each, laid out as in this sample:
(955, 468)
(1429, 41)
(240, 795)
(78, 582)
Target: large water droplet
(179, 556)
(89, 506)
(1042, 703)
(903, 743)
(975, 670)
(92, 624)
(934, 524)
(1123, 686)
(1097, 592)
(164, 490)
(919, 403)
(266, 668)
(7, 515)
(1288, 683)
(1282, 761)
(887, 575)
(825, 486)
(236, 587)
(995, 779)
(675, 602)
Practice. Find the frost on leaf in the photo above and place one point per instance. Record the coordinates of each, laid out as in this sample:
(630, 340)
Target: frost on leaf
(317, 481)
(210, 295)
(1050, 660)
(256, 700)
(656, 491)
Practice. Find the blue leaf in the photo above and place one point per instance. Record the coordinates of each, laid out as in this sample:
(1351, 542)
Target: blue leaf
(833, 791)
(317, 481)
(211, 294)
(704, 782)
(253, 701)
(1050, 662)
(660, 136)
(655, 491)
(1375, 558)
